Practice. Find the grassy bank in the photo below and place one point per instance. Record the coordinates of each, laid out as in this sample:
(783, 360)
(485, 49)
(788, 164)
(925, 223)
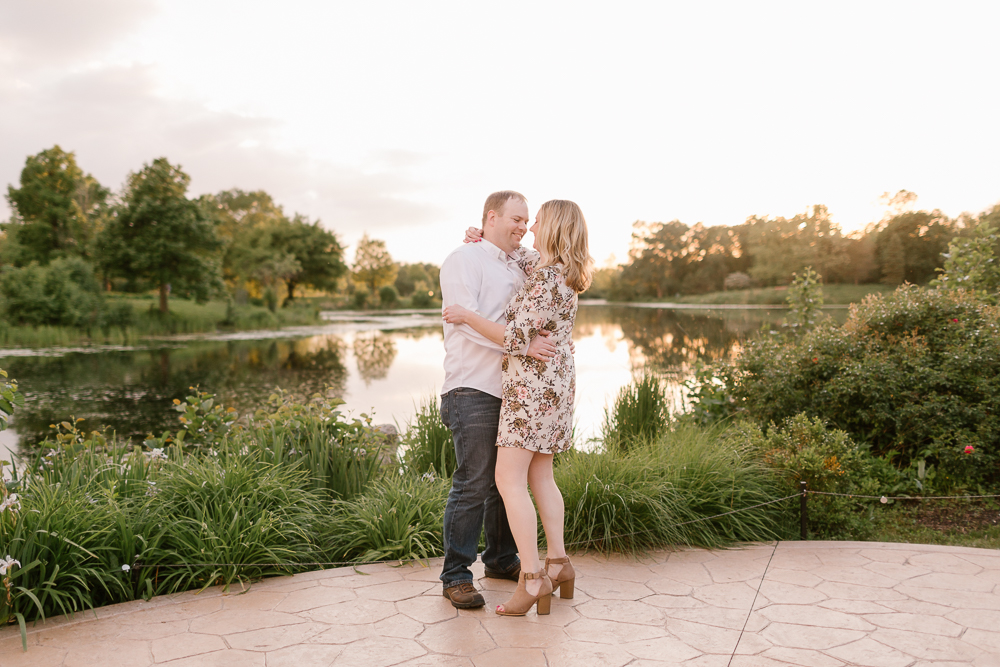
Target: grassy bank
(775, 296)
(142, 318)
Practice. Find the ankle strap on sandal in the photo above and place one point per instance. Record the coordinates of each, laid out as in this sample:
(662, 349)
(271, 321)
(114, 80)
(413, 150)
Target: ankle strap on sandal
(557, 561)
(534, 575)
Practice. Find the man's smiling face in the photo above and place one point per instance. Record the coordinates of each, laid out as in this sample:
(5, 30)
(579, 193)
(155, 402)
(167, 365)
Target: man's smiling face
(509, 225)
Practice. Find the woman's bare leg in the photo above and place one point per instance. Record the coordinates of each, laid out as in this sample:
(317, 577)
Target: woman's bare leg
(550, 505)
(512, 482)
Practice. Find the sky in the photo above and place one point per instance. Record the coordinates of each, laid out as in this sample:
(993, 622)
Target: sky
(397, 118)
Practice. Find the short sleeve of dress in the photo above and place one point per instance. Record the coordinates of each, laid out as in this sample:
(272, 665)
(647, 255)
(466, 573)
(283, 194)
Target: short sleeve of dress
(533, 310)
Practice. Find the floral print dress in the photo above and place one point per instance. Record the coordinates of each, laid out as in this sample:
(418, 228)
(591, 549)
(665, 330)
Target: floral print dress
(537, 409)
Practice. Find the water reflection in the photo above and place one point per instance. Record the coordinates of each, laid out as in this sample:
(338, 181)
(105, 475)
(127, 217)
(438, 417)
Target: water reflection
(385, 365)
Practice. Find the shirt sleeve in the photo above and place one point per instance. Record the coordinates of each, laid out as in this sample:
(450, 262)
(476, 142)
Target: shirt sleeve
(460, 283)
(527, 259)
(533, 312)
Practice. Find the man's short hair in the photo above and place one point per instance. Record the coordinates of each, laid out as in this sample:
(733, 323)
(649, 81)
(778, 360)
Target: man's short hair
(497, 200)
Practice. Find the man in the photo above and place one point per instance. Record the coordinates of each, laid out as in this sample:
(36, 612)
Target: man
(481, 277)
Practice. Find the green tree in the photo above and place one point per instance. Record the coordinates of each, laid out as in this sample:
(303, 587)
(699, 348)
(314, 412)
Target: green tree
(893, 261)
(924, 237)
(373, 265)
(316, 250)
(780, 247)
(57, 210)
(259, 237)
(62, 293)
(159, 235)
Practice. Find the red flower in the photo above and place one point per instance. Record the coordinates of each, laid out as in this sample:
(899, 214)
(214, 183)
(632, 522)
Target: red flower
(954, 319)
(969, 449)
(815, 359)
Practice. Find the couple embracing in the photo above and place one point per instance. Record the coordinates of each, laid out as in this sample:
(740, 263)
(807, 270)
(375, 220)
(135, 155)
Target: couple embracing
(508, 396)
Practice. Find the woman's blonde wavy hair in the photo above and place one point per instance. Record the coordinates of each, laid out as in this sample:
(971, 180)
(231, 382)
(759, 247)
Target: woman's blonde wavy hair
(562, 239)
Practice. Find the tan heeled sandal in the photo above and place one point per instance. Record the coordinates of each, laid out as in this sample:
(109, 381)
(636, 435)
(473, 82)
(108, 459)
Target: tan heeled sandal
(566, 580)
(521, 602)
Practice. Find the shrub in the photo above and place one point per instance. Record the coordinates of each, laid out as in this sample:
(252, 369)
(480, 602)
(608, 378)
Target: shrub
(827, 460)
(736, 281)
(388, 296)
(230, 509)
(805, 298)
(971, 264)
(359, 300)
(640, 413)
(915, 376)
(400, 517)
(423, 295)
(708, 395)
(658, 493)
(63, 293)
(428, 442)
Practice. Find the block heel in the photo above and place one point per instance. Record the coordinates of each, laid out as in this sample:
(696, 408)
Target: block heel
(566, 579)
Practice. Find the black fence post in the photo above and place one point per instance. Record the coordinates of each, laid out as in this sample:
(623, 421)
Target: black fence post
(803, 512)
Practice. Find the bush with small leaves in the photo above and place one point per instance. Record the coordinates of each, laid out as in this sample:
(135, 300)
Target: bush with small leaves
(915, 376)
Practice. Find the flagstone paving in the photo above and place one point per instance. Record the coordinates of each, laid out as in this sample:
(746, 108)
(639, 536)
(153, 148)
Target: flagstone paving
(815, 604)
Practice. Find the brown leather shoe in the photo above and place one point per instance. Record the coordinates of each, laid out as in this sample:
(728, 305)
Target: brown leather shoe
(464, 596)
(512, 575)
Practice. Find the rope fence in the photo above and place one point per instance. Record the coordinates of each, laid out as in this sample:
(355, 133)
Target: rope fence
(803, 494)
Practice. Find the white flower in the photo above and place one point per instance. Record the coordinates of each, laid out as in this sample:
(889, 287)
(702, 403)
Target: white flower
(126, 568)
(7, 563)
(10, 503)
(158, 454)
(428, 477)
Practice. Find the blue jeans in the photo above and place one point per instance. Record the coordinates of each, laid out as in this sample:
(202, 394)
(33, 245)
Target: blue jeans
(473, 417)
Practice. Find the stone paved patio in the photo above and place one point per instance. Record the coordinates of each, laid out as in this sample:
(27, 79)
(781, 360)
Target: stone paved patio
(821, 604)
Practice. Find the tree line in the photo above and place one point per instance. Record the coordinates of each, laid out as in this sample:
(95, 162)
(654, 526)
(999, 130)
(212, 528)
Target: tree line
(672, 258)
(69, 238)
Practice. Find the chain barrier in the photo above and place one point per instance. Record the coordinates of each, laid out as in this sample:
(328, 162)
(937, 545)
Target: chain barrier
(888, 498)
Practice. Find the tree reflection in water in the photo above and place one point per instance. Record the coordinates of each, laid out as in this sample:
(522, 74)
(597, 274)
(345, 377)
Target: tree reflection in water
(130, 392)
(669, 341)
(374, 353)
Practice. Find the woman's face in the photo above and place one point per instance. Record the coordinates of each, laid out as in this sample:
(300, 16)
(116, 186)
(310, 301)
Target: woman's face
(534, 234)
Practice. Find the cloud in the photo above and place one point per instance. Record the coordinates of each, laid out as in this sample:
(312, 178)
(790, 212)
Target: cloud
(39, 33)
(115, 121)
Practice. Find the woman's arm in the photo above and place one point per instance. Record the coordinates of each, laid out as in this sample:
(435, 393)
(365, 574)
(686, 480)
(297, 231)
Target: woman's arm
(538, 348)
(487, 328)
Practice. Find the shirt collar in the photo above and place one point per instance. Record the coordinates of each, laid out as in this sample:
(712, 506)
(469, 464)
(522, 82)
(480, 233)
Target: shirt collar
(494, 251)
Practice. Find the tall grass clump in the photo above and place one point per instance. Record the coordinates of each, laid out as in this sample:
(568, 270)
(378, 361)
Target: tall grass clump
(658, 492)
(399, 517)
(230, 519)
(640, 413)
(428, 442)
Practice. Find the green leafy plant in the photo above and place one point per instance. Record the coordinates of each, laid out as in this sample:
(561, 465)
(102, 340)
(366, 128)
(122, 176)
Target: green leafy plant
(805, 298)
(971, 264)
(427, 441)
(10, 398)
(400, 517)
(913, 376)
(640, 413)
(709, 398)
(660, 492)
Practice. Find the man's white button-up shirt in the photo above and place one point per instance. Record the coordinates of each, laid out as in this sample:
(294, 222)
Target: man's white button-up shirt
(480, 277)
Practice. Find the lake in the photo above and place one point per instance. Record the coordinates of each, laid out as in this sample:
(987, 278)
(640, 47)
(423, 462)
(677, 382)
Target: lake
(381, 364)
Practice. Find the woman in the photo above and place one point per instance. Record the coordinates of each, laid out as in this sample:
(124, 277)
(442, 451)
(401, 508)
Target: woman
(536, 417)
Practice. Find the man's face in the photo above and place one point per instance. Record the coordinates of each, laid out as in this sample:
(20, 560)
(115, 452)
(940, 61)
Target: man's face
(509, 225)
